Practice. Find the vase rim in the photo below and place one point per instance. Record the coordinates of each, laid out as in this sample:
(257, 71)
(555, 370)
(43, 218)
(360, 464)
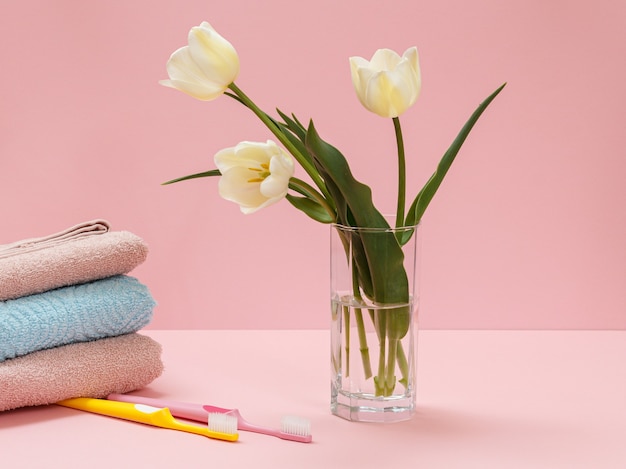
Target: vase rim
(380, 229)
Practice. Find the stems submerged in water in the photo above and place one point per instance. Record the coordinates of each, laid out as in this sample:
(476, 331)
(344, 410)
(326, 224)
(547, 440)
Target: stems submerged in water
(376, 333)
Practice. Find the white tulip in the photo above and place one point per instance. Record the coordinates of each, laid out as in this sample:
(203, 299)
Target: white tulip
(254, 174)
(388, 84)
(204, 68)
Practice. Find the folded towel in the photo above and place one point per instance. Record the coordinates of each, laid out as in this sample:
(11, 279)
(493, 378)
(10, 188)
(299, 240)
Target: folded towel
(78, 313)
(34, 244)
(88, 369)
(82, 253)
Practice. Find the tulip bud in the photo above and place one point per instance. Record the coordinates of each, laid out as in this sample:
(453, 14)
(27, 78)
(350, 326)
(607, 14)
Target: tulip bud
(388, 84)
(204, 68)
(254, 174)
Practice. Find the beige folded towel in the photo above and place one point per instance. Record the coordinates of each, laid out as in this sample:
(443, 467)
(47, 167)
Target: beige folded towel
(88, 369)
(82, 253)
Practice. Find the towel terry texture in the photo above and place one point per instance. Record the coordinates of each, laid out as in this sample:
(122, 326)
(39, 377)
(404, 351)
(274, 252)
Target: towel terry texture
(104, 308)
(80, 254)
(88, 369)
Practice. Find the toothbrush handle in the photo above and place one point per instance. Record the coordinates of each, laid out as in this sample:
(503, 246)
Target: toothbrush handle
(143, 413)
(218, 410)
(124, 410)
(181, 410)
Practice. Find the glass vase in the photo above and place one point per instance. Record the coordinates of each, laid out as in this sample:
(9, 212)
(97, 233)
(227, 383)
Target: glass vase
(374, 308)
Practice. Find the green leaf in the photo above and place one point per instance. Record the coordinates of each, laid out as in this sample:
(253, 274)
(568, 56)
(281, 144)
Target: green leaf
(377, 255)
(293, 125)
(213, 172)
(354, 197)
(311, 208)
(296, 134)
(423, 199)
(295, 119)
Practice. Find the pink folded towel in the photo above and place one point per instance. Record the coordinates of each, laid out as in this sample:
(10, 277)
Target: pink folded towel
(88, 369)
(82, 253)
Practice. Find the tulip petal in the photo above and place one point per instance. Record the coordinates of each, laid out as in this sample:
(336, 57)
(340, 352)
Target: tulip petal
(412, 56)
(254, 153)
(404, 87)
(364, 76)
(276, 184)
(198, 91)
(234, 186)
(357, 63)
(384, 59)
(245, 154)
(375, 95)
(181, 66)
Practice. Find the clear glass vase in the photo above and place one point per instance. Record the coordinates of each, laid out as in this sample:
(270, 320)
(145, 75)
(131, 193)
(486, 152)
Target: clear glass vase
(374, 305)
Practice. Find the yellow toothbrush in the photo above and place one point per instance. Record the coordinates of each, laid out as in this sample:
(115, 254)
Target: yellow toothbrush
(218, 427)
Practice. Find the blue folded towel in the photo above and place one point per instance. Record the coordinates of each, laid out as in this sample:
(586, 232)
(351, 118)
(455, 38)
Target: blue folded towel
(104, 308)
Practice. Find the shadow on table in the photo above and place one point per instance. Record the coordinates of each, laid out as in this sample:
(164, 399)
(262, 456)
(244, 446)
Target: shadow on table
(30, 415)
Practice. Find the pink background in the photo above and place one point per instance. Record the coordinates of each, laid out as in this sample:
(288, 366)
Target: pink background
(527, 231)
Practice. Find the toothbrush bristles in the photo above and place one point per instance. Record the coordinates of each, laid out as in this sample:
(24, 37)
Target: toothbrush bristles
(295, 425)
(222, 423)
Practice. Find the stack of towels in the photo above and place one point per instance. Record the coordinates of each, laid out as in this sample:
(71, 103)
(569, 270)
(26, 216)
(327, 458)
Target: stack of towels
(69, 316)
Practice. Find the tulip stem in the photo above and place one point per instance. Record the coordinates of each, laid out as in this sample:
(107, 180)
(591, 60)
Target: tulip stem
(271, 125)
(358, 313)
(401, 174)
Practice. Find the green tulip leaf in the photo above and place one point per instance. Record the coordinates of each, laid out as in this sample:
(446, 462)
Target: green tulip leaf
(311, 208)
(213, 172)
(423, 199)
(293, 125)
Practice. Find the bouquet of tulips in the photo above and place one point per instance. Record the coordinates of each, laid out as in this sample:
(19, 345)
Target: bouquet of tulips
(258, 174)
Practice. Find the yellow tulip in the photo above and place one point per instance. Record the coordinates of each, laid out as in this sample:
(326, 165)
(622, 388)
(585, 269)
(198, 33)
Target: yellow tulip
(254, 174)
(388, 84)
(206, 67)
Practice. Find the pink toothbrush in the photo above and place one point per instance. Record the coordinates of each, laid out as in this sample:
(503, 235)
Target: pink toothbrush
(292, 428)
